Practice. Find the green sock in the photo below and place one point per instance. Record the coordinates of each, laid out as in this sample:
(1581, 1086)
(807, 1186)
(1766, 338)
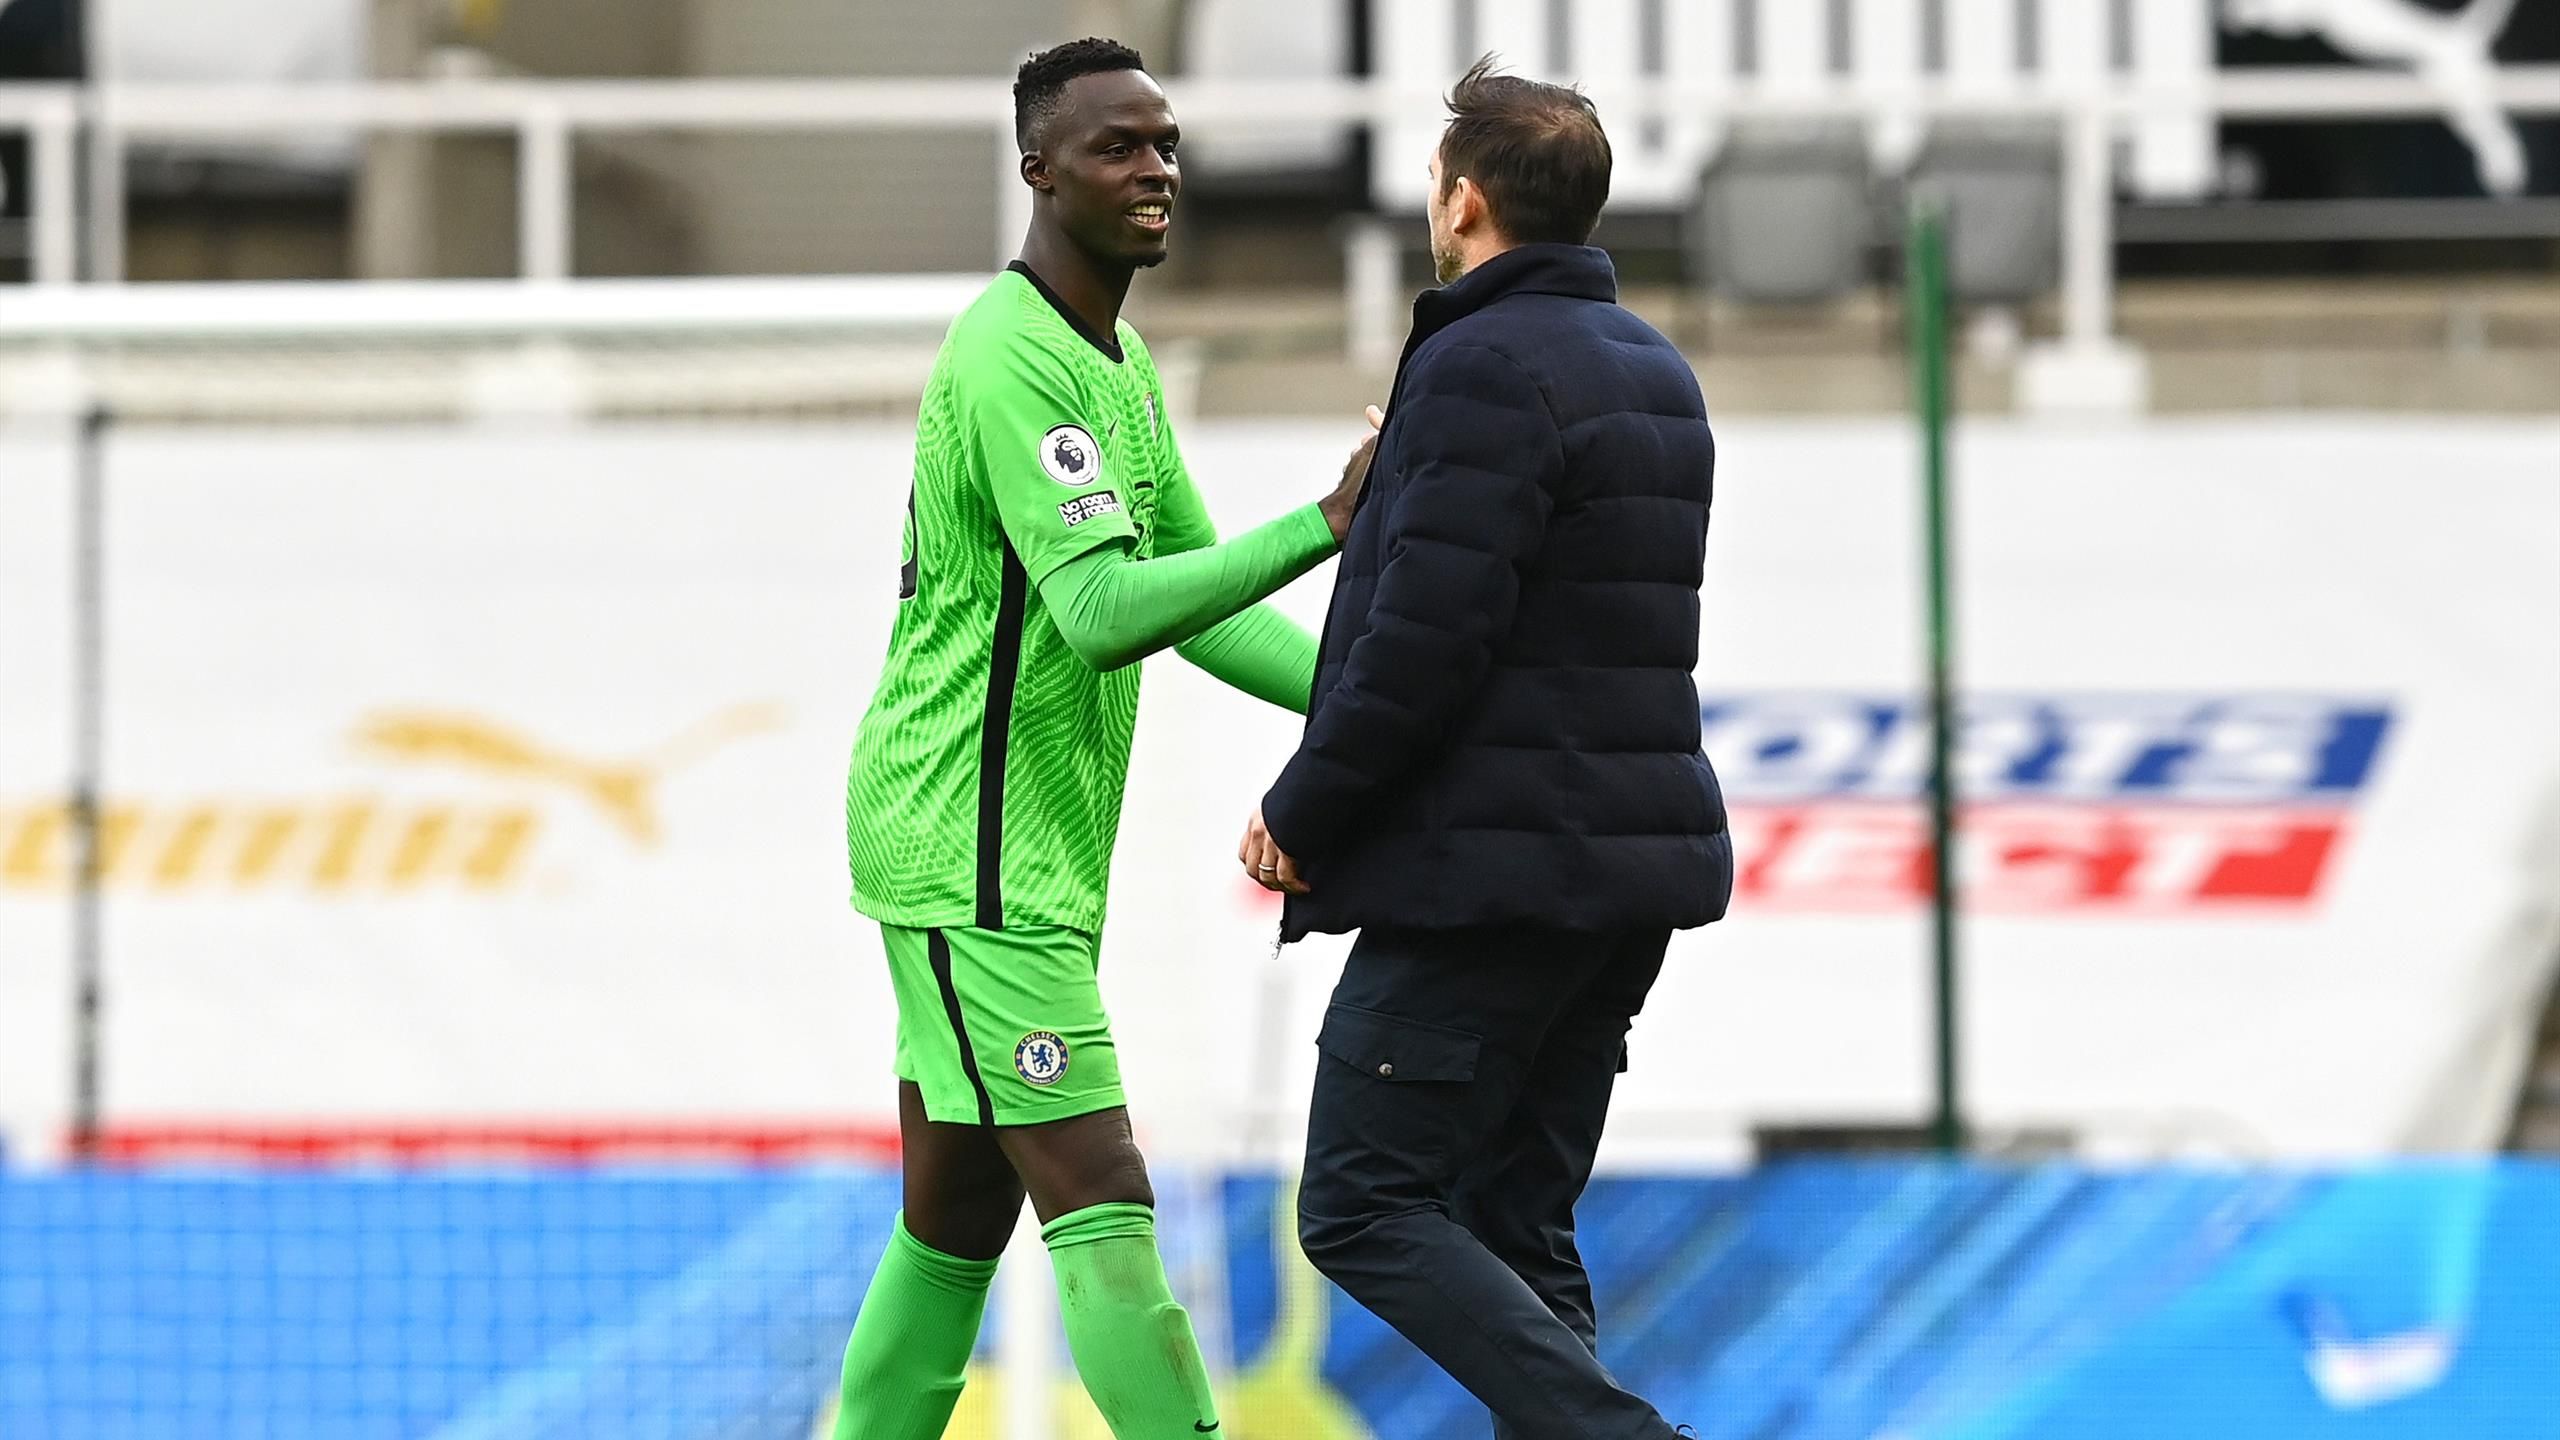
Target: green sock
(1133, 1345)
(909, 1354)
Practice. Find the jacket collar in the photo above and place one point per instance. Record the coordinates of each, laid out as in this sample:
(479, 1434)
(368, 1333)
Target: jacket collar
(1579, 272)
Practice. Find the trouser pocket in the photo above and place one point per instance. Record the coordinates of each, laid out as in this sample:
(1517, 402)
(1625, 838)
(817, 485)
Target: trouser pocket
(1395, 1100)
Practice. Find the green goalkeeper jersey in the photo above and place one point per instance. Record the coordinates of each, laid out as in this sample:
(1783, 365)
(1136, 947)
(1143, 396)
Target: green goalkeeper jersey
(987, 775)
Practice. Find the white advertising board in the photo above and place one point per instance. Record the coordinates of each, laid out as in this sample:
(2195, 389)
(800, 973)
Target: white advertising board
(477, 776)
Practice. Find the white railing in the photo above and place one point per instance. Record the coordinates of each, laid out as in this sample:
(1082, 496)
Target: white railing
(546, 116)
(435, 309)
(1794, 47)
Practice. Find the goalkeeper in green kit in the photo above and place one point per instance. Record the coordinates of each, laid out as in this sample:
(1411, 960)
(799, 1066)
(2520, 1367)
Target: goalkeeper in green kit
(1053, 538)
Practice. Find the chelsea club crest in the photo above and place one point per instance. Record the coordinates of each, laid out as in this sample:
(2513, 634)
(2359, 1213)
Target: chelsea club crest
(1041, 1058)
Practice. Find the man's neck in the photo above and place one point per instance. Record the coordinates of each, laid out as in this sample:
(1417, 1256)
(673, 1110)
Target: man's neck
(1476, 253)
(1094, 292)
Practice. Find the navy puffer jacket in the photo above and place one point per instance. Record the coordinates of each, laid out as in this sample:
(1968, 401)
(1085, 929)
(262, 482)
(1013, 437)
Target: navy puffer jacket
(1504, 727)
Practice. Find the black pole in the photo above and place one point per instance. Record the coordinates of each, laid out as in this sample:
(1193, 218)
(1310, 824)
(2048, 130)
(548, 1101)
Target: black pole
(88, 690)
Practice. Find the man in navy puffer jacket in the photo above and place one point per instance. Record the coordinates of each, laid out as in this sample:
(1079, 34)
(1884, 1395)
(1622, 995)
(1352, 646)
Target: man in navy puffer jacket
(1500, 784)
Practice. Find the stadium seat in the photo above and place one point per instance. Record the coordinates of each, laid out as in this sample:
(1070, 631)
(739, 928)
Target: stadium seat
(1783, 216)
(2002, 188)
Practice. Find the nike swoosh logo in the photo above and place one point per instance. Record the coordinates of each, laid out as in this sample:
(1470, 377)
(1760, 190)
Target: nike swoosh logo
(2356, 1374)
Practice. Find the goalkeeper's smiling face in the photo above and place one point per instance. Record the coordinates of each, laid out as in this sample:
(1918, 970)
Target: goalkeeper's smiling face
(1108, 167)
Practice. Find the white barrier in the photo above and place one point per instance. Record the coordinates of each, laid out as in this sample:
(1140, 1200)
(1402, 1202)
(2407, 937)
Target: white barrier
(252, 311)
(493, 774)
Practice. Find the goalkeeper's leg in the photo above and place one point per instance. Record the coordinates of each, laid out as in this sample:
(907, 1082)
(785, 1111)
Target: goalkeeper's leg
(1131, 1340)
(1006, 1028)
(909, 1354)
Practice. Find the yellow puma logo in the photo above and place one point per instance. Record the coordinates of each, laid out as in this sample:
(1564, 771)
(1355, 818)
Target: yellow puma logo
(625, 792)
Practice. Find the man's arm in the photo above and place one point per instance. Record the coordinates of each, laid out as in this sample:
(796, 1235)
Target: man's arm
(1059, 496)
(1482, 454)
(1114, 609)
(1261, 652)
(1258, 651)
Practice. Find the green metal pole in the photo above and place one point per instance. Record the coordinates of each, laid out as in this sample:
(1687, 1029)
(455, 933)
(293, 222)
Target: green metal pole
(1925, 289)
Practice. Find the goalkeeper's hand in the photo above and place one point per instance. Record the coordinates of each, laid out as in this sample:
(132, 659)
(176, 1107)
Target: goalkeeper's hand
(1345, 499)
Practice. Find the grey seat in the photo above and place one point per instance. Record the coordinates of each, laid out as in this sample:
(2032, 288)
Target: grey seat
(1783, 215)
(2001, 185)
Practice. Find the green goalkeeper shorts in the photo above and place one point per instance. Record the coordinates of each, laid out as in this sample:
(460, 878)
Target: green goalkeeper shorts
(1003, 1027)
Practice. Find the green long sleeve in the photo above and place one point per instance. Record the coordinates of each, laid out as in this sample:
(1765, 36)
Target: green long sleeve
(1258, 651)
(1261, 652)
(1114, 609)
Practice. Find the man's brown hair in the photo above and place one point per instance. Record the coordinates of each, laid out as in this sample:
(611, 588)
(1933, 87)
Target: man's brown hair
(1536, 151)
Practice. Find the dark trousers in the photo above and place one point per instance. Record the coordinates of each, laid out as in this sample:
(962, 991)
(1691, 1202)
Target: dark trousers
(1458, 1104)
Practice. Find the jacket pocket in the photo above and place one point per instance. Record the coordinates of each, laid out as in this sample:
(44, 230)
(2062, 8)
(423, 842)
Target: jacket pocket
(1394, 1049)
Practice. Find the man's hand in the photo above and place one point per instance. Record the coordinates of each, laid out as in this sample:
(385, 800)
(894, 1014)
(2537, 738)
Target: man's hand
(1263, 859)
(1345, 498)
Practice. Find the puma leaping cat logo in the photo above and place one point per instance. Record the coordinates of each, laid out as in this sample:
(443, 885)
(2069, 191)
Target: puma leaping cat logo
(2452, 53)
(624, 791)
